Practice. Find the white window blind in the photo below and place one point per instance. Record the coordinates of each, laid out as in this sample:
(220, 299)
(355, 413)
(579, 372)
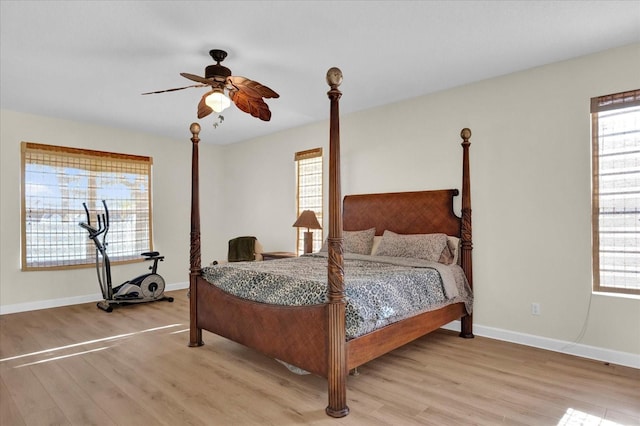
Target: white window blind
(309, 192)
(616, 192)
(57, 180)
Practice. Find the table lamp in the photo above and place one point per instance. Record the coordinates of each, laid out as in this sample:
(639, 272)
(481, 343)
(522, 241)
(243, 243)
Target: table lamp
(308, 219)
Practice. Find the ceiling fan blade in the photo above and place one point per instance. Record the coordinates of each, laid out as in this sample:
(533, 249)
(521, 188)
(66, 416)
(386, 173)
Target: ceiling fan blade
(173, 90)
(253, 88)
(197, 78)
(203, 108)
(254, 106)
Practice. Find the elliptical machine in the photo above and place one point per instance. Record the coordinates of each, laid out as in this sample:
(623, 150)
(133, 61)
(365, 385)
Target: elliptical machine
(144, 288)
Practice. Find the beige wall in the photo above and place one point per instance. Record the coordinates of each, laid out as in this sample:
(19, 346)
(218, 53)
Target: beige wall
(530, 166)
(530, 171)
(171, 204)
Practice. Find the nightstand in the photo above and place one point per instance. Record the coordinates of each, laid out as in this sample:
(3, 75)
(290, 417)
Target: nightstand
(271, 255)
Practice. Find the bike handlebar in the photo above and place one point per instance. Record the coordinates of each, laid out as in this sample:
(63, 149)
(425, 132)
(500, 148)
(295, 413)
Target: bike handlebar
(86, 210)
(103, 222)
(106, 211)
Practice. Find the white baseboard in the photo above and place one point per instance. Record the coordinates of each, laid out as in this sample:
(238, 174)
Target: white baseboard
(572, 348)
(66, 301)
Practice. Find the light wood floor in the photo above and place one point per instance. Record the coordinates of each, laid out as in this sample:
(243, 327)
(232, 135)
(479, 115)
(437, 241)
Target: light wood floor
(79, 365)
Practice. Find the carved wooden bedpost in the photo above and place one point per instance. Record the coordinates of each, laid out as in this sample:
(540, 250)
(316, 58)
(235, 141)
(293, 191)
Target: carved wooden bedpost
(467, 245)
(337, 371)
(195, 333)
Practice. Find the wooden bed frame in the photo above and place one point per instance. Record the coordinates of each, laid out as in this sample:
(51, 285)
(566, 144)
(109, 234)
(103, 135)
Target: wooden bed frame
(313, 337)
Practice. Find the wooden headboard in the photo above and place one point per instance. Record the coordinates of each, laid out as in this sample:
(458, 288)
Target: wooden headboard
(420, 212)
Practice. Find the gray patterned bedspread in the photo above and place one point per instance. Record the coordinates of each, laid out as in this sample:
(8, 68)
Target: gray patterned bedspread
(379, 290)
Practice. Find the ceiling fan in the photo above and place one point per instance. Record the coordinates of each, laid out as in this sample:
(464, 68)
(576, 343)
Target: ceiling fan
(246, 94)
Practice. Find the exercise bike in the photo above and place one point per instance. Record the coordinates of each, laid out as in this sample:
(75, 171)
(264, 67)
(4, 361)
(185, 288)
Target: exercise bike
(148, 287)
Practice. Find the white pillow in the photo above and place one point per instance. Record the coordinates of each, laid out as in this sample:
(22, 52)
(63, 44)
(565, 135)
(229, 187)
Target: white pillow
(454, 246)
(376, 243)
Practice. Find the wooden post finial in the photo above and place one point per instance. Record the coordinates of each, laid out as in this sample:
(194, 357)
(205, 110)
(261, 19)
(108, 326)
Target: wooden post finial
(195, 130)
(465, 134)
(334, 77)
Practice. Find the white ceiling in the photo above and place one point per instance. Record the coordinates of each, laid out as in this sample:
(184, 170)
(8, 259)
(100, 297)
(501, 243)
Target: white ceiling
(90, 61)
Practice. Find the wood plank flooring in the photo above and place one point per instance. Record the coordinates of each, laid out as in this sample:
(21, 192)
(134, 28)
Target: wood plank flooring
(78, 365)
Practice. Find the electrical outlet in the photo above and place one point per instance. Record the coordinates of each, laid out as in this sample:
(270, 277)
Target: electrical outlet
(535, 309)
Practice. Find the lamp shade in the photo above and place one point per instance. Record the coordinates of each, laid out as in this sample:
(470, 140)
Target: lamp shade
(217, 100)
(307, 219)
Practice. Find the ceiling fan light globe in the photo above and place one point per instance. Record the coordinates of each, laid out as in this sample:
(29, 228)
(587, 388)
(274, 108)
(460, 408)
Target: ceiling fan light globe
(218, 101)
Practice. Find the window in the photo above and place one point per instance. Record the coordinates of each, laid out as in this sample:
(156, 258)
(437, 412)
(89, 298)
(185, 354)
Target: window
(309, 192)
(616, 192)
(57, 180)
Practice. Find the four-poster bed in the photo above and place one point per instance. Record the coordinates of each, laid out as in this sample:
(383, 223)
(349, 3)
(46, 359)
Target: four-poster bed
(313, 337)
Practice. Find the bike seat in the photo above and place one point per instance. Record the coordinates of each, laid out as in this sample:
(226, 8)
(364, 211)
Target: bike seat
(150, 254)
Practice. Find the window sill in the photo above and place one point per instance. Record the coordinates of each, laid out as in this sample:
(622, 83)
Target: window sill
(620, 295)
